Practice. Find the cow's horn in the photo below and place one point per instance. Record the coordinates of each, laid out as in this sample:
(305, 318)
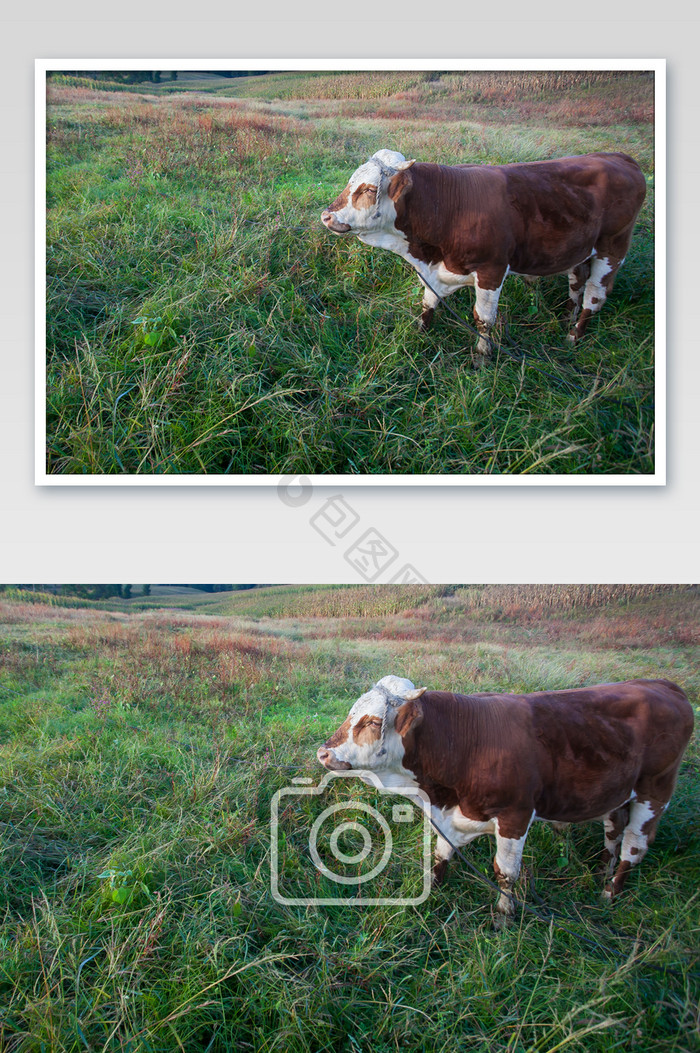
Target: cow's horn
(411, 696)
(404, 165)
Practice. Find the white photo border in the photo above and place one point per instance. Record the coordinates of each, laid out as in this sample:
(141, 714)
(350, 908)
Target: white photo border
(655, 65)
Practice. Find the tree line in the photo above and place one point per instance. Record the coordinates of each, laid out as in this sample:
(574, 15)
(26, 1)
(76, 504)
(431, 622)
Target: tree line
(124, 592)
(155, 76)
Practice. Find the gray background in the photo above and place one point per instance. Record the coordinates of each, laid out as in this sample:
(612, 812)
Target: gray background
(474, 533)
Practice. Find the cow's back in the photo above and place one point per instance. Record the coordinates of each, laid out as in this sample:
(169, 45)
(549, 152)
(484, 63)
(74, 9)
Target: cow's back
(536, 217)
(608, 189)
(643, 712)
(571, 755)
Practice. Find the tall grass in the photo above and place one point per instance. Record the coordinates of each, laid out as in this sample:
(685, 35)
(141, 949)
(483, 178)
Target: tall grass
(201, 320)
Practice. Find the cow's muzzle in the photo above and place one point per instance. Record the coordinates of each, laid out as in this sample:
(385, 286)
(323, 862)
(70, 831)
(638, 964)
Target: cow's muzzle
(329, 760)
(329, 220)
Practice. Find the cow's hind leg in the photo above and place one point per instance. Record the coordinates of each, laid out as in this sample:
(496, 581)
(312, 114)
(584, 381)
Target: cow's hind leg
(595, 293)
(638, 835)
(578, 277)
(604, 268)
(614, 824)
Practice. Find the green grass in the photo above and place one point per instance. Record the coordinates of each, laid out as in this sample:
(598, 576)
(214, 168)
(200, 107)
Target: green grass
(201, 319)
(139, 754)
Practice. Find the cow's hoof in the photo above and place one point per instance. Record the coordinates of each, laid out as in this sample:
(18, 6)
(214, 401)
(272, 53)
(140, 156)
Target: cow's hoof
(571, 338)
(480, 360)
(438, 875)
(607, 894)
(501, 921)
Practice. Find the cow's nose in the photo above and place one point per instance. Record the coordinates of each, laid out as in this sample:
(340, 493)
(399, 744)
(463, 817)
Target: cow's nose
(329, 760)
(330, 220)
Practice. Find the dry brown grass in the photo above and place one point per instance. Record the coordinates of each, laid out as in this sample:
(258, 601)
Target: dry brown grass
(14, 612)
(532, 601)
(352, 601)
(58, 94)
(567, 97)
(167, 134)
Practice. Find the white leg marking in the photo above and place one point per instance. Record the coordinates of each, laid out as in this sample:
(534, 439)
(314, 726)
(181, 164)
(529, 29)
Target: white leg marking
(576, 288)
(487, 304)
(487, 309)
(443, 850)
(594, 293)
(509, 854)
(430, 300)
(612, 843)
(634, 842)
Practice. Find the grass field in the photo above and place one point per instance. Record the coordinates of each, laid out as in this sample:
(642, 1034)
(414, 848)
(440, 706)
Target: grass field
(202, 320)
(140, 751)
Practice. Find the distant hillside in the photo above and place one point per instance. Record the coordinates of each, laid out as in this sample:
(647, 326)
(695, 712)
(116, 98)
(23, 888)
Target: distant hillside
(435, 602)
(407, 610)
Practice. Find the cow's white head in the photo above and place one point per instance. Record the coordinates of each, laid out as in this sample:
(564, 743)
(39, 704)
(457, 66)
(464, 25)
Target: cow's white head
(357, 742)
(367, 203)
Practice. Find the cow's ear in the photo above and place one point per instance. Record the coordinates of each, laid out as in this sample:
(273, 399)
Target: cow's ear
(408, 717)
(400, 184)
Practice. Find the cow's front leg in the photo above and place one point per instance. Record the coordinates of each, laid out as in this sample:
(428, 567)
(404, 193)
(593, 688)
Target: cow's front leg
(578, 276)
(488, 285)
(443, 853)
(511, 833)
(614, 824)
(457, 830)
(430, 302)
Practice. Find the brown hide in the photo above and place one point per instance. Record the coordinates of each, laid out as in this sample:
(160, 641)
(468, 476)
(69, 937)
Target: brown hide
(568, 755)
(537, 218)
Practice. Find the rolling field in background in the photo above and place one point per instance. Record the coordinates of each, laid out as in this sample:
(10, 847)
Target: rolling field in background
(141, 743)
(202, 320)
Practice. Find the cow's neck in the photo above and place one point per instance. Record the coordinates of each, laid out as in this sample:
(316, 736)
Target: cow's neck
(395, 778)
(395, 241)
(456, 733)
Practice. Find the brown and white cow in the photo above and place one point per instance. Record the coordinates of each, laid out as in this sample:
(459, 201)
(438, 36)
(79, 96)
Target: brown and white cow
(474, 224)
(492, 763)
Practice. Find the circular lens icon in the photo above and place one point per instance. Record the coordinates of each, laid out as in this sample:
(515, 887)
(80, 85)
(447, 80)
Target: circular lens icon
(350, 858)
